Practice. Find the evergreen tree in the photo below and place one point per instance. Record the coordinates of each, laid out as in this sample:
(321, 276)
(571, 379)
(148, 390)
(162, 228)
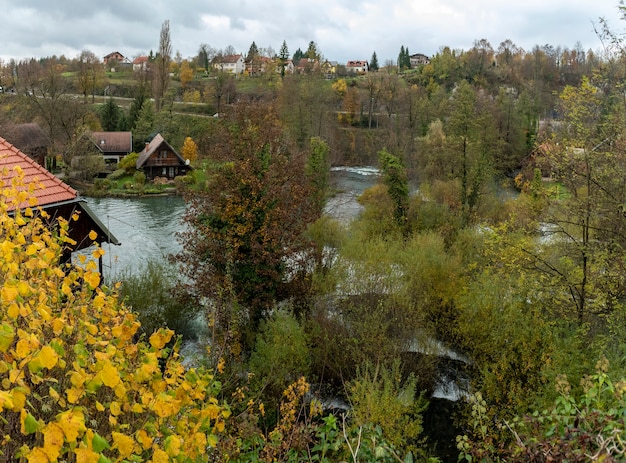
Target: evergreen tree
(297, 56)
(283, 56)
(253, 52)
(110, 116)
(374, 62)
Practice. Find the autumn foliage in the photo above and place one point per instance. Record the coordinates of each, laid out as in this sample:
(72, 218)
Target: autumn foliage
(75, 382)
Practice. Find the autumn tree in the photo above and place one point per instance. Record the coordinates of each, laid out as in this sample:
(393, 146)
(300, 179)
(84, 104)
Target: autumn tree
(189, 150)
(245, 236)
(90, 74)
(185, 73)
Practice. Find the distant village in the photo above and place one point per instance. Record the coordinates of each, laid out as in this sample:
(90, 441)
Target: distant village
(238, 64)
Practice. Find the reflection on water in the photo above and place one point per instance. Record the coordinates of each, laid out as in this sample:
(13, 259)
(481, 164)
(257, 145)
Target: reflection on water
(146, 227)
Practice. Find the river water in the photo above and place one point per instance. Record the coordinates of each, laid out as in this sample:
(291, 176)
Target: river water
(146, 227)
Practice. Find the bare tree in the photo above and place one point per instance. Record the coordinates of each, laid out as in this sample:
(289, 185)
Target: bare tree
(163, 59)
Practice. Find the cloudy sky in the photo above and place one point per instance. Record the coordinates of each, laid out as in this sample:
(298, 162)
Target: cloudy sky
(342, 29)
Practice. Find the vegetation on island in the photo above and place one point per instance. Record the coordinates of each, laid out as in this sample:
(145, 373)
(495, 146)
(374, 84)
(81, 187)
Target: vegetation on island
(490, 253)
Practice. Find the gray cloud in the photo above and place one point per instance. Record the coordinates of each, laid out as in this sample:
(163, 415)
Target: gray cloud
(342, 29)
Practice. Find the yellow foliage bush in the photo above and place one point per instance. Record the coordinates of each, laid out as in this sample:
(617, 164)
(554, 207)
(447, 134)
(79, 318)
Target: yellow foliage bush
(75, 382)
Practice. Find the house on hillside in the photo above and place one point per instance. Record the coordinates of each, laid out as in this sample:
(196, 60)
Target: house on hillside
(54, 197)
(140, 63)
(307, 66)
(112, 145)
(30, 139)
(418, 59)
(233, 64)
(357, 67)
(159, 159)
(114, 57)
(329, 69)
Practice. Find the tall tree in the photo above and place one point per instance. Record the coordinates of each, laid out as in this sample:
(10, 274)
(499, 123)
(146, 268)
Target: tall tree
(374, 62)
(162, 74)
(90, 74)
(245, 233)
(283, 56)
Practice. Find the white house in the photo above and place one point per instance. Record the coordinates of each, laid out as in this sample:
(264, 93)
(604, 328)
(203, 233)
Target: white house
(234, 64)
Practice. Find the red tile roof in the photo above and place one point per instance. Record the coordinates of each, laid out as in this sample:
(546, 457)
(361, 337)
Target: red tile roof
(49, 188)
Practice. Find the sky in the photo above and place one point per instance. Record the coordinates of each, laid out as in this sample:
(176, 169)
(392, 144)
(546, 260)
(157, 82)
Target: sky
(342, 29)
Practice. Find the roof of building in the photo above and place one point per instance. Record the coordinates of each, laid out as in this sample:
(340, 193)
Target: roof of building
(26, 136)
(140, 60)
(49, 189)
(113, 142)
(152, 147)
(230, 59)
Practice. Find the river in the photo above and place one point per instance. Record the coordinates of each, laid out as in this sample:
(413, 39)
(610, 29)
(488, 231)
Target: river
(146, 227)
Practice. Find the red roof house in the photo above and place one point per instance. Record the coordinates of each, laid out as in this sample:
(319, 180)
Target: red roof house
(52, 195)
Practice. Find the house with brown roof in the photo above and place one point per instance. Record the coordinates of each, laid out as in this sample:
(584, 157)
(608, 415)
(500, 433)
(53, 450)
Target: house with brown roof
(30, 139)
(53, 196)
(112, 145)
(159, 159)
(234, 64)
(115, 56)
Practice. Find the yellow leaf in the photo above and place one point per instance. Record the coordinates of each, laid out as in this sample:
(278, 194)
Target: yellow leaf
(74, 394)
(99, 406)
(115, 408)
(48, 357)
(37, 455)
(73, 423)
(123, 443)
(159, 456)
(172, 445)
(159, 339)
(52, 440)
(110, 376)
(8, 293)
(93, 235)
(19, 398)
(85, 455)
(166, 405)
(144, 439)
(92, 279)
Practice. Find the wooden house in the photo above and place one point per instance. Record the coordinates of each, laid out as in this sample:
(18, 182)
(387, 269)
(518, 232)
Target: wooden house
(159, 159)
(55, 197)
(114, 57)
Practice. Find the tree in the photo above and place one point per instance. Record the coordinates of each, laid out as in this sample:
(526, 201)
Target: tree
(111, 116)
(186, 73)
(90, 73)
(245, 231)
(205, 54)
(395, 178)
(163, 59)
(253, 52)
(283, 56)
(189, 150)
(374, 62)
(318, 172)
(312, 52)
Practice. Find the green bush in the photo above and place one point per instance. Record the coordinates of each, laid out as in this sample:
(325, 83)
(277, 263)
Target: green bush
(139, 178)
(129, 163)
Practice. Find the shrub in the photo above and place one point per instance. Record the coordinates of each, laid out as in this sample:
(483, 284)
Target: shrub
(129, 163)
(75, 384)
(139, 178)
